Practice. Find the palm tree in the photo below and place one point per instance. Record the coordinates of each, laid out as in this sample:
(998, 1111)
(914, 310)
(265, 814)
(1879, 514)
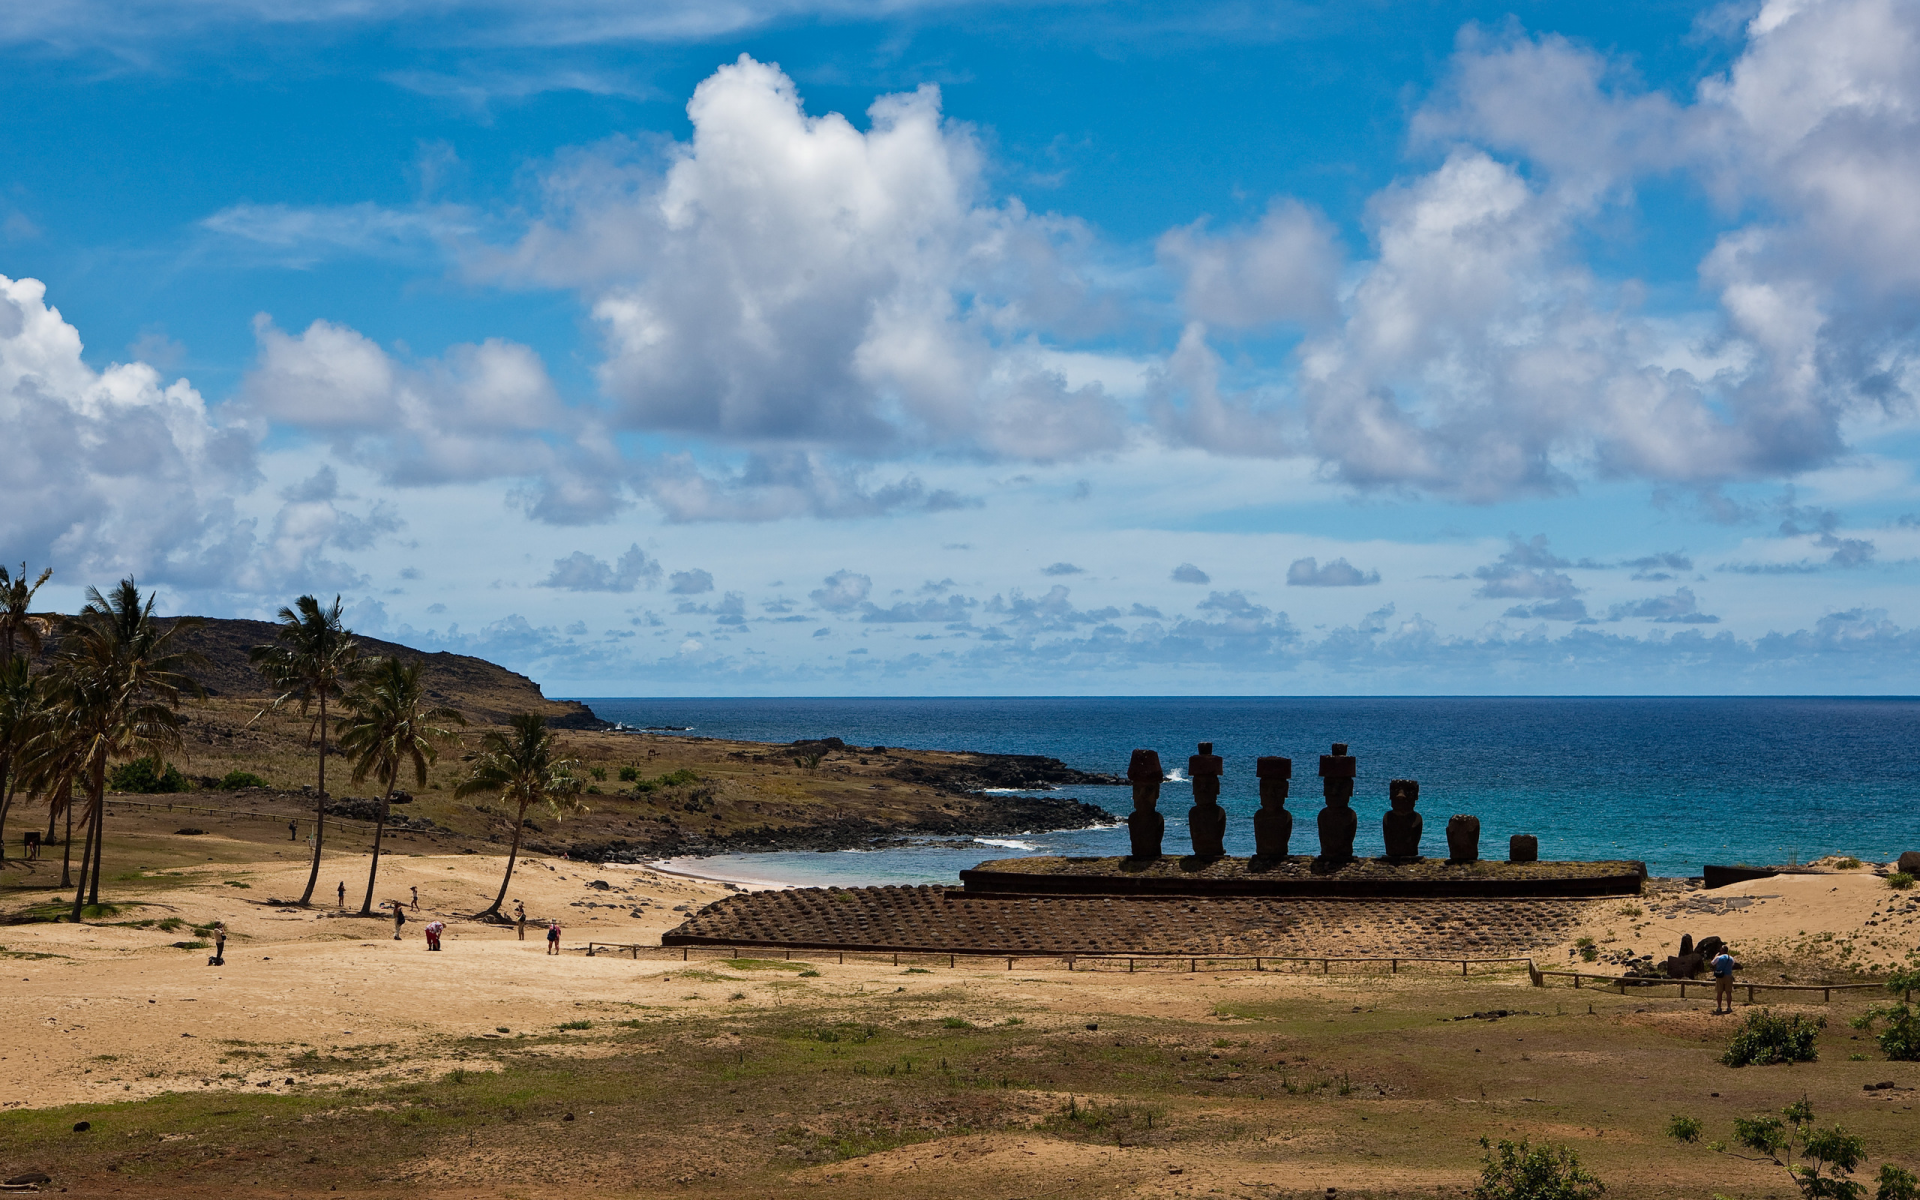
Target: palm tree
(16, 626)
(22, 701)
(16, 599)
(312, 660)
(519, 765)
(389, 729)
(116, 680)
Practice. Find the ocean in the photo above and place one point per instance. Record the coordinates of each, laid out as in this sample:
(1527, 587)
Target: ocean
(1676, 783)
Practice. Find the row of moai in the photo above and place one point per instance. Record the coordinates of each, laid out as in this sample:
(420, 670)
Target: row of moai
(1273, 824)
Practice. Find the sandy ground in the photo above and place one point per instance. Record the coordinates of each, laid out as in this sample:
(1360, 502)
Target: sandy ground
(117, 1012)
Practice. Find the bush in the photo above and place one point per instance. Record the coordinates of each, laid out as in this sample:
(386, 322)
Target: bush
(1520, 1171)
(629, 774)
(235, 780)
(1684, 1129)
(1766, 1039)
(1899, 881)
(1900, 1040)
(146, 777)
(1849, 863)
(1897, 1183)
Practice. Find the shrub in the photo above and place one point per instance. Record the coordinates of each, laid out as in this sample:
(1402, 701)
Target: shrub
(1849, 863)
(1521, 1171)
(1684, 1129)
(1900, 1040)
(1766, 1039)
(599, 773)
(235, 780)
(147, 777)
(956, 1023)
(1897, 1183)
(576, 1025)
(629, 774)
(1899, 881)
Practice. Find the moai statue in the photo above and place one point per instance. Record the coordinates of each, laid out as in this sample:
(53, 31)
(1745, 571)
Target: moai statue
(1145, 826)
(1206, 820)
(1337, 822)
(1273, 824)
(1523, 847)
(1401, 825)
(1463, 838)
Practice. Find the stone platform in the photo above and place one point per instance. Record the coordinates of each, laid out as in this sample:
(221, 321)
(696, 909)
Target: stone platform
(944, 920)
(1302, 877)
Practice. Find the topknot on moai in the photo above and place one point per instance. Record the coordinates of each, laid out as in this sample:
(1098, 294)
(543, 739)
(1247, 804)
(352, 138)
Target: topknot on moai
(1401, 825)
(1273, 824)
(1145, 826)
(1337, 821)
(1206, 819)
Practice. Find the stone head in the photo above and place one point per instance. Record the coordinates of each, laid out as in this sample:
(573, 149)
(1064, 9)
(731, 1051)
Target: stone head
(1403, 794)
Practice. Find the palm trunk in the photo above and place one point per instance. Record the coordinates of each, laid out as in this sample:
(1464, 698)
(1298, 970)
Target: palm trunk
(319, 805)
(99, 827)
(66, 843)
(87, 855)
(366, 906)
(6, 799)
(512, 854)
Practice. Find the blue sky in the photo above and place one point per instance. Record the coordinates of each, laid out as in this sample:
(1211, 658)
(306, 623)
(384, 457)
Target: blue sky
(922, 348)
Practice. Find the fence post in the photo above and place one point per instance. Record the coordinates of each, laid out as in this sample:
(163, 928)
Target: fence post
(1749, 993)
(1576, 981)
(1826, 994)
(1396, 966)
(1193, 965)
(683, 953)
(1009, 964)
(1129, 966)
(950, 961)
(1463, 968)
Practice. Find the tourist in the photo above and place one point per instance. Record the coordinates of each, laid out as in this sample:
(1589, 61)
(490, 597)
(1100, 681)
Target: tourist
(434, 929)
(343, 895)
(520, 919)
(553, 938)
(1723, 968)
(293, 831)
(399, 917)
(219, 958)
(416, 898)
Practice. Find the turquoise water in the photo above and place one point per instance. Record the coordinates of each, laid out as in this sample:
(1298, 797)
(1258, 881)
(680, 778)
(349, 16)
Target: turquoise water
(1674, 782)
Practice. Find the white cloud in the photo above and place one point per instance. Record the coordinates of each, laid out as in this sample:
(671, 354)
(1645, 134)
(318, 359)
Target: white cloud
(1306, 572)
(1188, 573)
(112, 471)
(843, 591)
(485, 411)
(1283, 269)
(789, 278)
(690, 583)
(581, 572)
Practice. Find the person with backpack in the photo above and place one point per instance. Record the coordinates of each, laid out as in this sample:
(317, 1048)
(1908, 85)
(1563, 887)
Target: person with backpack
(1723, 969)
(219, 958)
(399, 917)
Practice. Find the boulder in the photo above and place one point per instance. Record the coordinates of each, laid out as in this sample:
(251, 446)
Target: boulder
(1523, 848)
(1910, 862)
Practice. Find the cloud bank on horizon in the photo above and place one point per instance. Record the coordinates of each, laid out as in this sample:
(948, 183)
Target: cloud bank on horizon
(1608, 385)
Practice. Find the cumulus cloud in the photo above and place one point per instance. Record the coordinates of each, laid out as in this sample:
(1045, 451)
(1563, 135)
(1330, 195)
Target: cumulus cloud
(952, 611)
(690, 583)
(1680, 608)
(775, 485)
(842, 591)
(485, 411)
(1188, 573)
(1283, 269)
(1477, 355)
(1305, 572)
(581, 572)
(789, 278)
(1525, 572)
(1564, 609)
(117, 470)
(1061, 568)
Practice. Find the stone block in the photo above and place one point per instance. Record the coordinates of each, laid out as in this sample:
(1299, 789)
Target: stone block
(1523, 847)
(1273, 768)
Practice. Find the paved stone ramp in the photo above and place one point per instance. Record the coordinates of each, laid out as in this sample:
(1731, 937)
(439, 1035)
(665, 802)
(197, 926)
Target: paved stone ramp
(936, 919)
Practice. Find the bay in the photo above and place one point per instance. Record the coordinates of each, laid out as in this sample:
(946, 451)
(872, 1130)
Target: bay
(1675, 782)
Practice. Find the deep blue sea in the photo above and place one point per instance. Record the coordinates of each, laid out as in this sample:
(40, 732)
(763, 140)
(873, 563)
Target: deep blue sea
(1675, 782)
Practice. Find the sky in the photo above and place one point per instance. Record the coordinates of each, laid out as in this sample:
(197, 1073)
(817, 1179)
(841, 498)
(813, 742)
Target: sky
(924, 347)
